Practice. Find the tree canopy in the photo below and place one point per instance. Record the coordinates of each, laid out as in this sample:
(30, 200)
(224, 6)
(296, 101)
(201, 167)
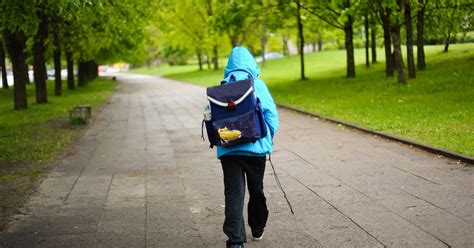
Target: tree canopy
(93, 32)
(90, 32)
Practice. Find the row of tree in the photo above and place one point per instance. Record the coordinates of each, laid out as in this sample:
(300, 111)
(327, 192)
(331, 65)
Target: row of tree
(92, 32)
(89, 32)
(207, 26)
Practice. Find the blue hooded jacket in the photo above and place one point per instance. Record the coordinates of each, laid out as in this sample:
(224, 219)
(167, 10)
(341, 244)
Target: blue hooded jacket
(241, 63)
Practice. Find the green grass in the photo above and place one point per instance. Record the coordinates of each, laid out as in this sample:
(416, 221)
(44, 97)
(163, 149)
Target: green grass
(31, 139)
(35, 135)
(437, 108)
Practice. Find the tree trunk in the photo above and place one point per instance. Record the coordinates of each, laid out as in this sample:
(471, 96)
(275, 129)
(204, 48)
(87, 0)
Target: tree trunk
(57, 64)
(215, 51)
(234, 40)
(2, 64)
(82, 73)
(286, 50)
(420, 29)
(397, 53)
(39, 63)
(387, 43)
(16, 44)
(373, 43)
(26, 76)
(349, 50)
(301, 40)
(409, 29)
(70, 71)
(215, 58)
(263, 41)
(87, 71)
(367, 42)
(199, 57)
(320, 44)
(251, 50)
(349, 44)
(448, 39)
(93, 69)
(208, 61)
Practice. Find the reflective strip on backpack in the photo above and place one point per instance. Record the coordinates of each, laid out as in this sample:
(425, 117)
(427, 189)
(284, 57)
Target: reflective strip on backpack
(225, 104)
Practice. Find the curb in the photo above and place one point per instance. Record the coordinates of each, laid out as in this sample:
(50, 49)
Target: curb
(435, 150)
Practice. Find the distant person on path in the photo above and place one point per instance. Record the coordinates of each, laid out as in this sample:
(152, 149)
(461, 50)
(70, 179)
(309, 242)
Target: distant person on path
(247, 161)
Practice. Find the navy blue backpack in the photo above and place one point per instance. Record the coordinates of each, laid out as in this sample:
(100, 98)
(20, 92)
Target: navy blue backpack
(236, 116)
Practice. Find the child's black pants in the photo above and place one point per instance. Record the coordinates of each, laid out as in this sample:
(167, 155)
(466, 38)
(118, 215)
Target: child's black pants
(236, 169)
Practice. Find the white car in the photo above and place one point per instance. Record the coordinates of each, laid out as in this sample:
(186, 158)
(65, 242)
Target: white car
(63, 74)
(269, 56)
(50, 74)
(9, 78)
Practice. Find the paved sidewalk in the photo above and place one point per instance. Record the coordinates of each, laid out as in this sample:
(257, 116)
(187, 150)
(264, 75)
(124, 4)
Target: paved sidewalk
(144, 178)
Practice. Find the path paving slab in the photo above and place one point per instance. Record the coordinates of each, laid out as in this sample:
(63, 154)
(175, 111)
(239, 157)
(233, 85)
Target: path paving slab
(143, 177)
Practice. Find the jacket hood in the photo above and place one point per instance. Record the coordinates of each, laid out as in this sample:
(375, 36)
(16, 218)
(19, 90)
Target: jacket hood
(240, 64)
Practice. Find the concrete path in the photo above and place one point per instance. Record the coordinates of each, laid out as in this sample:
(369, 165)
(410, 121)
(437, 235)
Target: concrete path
(142, 177)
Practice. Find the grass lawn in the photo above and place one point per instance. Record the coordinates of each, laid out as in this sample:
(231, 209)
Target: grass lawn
(31, 139)
(437, 108)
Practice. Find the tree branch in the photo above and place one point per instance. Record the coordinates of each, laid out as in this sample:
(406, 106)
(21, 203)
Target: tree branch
(335, 23)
